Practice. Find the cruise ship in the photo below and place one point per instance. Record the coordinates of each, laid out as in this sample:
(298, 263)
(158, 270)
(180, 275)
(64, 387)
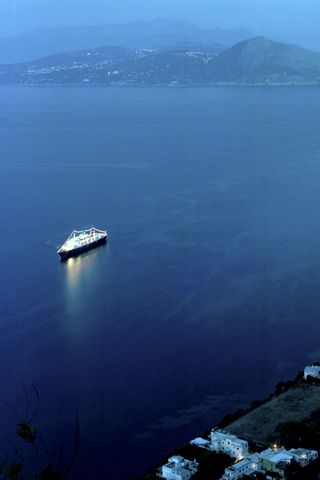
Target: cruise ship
(80, 241)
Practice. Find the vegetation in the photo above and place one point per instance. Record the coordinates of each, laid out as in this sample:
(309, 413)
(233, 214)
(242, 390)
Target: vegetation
(295, 472)
(32, 459)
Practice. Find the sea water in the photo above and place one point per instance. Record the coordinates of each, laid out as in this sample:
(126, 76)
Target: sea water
(207, 292)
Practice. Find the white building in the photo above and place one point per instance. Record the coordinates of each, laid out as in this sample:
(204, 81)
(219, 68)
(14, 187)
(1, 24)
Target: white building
(201, 442)
(303, 456)
(311, 371)
(230, 444)
(247, 466)
(276, 459)
(179, 468)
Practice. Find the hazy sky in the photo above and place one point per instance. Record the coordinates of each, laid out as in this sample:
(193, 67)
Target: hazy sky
(294, 20)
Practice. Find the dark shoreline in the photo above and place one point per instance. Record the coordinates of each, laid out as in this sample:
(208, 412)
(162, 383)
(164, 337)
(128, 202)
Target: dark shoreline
(307, 430)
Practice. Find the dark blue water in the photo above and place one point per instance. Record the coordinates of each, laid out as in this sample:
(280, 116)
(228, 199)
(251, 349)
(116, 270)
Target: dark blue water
(208, 290)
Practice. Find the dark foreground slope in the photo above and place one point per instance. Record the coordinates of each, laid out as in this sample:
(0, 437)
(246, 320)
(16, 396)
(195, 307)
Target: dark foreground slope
(289, 417)
(298, 406)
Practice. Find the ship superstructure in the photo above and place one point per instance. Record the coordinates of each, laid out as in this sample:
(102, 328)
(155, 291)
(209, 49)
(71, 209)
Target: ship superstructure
(82, 240)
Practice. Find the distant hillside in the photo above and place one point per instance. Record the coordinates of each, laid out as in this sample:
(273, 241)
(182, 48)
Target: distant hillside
(262, 60)
(114, 66)
(255, 61)
(161, 33)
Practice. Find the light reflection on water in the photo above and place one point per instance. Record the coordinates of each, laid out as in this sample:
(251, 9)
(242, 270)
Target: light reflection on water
(76, 267)
(80, 279)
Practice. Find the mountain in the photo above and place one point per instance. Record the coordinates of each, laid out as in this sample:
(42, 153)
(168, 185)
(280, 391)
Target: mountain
(261, 60)
(255, 61)
(160, 33)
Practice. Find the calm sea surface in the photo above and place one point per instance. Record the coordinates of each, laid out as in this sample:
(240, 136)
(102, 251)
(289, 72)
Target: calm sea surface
(208, 291)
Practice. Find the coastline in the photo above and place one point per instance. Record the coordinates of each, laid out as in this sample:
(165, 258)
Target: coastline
(168, 85)
(289, 416)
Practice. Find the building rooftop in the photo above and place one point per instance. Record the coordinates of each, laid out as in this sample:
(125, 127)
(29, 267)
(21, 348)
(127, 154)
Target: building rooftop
(241, 464)
(312, 370)
(176, 458)
(303, 452)
(201, 442)
(180, 465)
(221, 435)
(276, 456)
